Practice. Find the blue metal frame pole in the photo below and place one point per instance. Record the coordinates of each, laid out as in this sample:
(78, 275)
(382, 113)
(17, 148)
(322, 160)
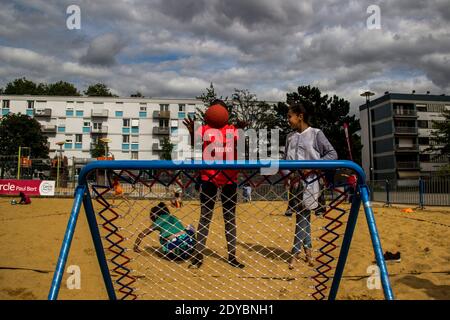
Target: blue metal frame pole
(376, 243)
(92, 221)
(351, 223)
(64, 252)
(421, 191)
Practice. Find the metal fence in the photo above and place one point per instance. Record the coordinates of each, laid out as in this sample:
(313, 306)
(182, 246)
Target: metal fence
(434, 191)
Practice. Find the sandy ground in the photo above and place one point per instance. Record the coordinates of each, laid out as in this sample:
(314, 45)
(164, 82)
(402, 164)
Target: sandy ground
(31, 238)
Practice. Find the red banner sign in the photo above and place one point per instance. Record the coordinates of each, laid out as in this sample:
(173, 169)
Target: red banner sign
(29, 187)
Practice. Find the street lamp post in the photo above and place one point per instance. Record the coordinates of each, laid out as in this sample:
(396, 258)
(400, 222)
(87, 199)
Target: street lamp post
(60, 144)
(368, 94)
(18, 163)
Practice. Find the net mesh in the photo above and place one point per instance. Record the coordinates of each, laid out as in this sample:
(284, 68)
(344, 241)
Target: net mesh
(256, 224)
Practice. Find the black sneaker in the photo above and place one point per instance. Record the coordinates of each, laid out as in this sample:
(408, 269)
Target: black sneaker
(394, 257)
(288, 213)
(234, 263)
(196, 262)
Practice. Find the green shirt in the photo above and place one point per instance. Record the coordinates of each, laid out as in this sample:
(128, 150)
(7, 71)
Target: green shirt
(167, 225)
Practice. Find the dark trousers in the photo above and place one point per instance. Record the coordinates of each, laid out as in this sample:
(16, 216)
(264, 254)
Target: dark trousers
(208, 196)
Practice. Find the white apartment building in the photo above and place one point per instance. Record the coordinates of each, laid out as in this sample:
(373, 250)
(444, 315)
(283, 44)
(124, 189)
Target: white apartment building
(135, 127)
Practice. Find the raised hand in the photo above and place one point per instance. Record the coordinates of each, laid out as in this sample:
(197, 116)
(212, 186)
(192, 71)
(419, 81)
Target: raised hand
(189, 124)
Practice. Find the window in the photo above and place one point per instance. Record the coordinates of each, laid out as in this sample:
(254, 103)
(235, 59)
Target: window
(134, 155)
(181, 107)
(424, 158)
(86, 124)
(382, 112)
(163, 123)
(384, 145)
(30, 104)
(422, 123)
(78, 138)
(5, 104)
(69, 112)
(163, 107)
(424, 141)
(125, 139)
(62, 128)
(119, 113)
(181, 115)
(143, 108)
(97, 125)
(382, 129)
(436, 108)
(126, 122)
(135, 123)
(421, 107)
(79, 113)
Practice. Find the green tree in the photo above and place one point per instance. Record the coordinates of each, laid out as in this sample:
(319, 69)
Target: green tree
(137, 95)
(167, 148)
(440, 136)
(328, 114)
(244, 106)
(257, 114)
(98, 149)
(98, 90)
(208, 97)
(62, 88)
(25, 86)
(21, 130)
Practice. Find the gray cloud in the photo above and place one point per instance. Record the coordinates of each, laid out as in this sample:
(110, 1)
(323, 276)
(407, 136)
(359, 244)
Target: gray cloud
(103, 50)
(176, 48)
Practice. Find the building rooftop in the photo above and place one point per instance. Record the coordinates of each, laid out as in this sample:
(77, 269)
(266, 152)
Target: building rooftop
(406, 96)
(95, 98)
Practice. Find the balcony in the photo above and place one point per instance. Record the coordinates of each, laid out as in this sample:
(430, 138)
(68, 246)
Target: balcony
(399, 113)
(161, 130)
(408, 165)
(42, 112)
(407, 148)
(161, 114)
(102, 129)
(99, 113)
(48, 128)
(405, 130)
(156, 147)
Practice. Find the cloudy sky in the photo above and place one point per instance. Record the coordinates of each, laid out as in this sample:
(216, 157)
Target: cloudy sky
(175, 48)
